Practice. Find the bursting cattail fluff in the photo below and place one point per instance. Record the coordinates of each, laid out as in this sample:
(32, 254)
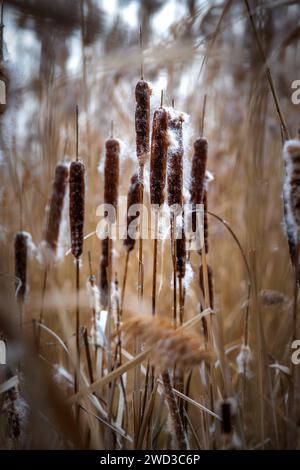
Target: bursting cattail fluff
(291, 194)
(22, 240)
(142, 120)
(76, 210)
(175, 160)
(133, 198)
(159, 151)
(56, 206)
(197, 181)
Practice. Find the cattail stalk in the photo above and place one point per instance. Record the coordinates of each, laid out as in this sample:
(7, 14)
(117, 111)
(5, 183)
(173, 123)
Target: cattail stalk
(54, 215)
(76, 213)
(197, 181)
(142, 128)
(21, 254)
(158, 166)
(111, 193)
(175, 187)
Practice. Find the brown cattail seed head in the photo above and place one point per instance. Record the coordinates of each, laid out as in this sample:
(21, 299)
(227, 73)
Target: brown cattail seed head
(77, 195)
(175, 163)
(198, 170)
(111, 173)
(133, 197)
(197, 182)
(21, 252)
(142, 120)
(291, 194)
(226, 417)
(181, 253)
(56, 206)
(227, 410)
(159, 151)
(210, 284)
(104, 281)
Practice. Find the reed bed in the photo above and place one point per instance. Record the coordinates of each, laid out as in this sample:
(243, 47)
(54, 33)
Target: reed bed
(143, 341)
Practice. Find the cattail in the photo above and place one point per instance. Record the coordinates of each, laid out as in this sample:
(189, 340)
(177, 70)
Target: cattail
(291, 195)
(159, 150)
(133, 197)
(197, 181)
(104, 262)
(22, 239)
(56, 206)
(210, 284)
(111, 173)
(111, 192)
(227, 410)
(142, 121)
(181, 253)
(175, 163)
(77, 193)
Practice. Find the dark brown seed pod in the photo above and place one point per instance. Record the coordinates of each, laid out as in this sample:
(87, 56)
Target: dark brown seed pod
(104, 281)
(77, 196)
(210, 284)
(56, 205)
(197, 181)
(175, 163)
(133, 197)
(159, 152)
(111, 173)
(226, 415)
(181, 253)
(21, 252)
(142, 120)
